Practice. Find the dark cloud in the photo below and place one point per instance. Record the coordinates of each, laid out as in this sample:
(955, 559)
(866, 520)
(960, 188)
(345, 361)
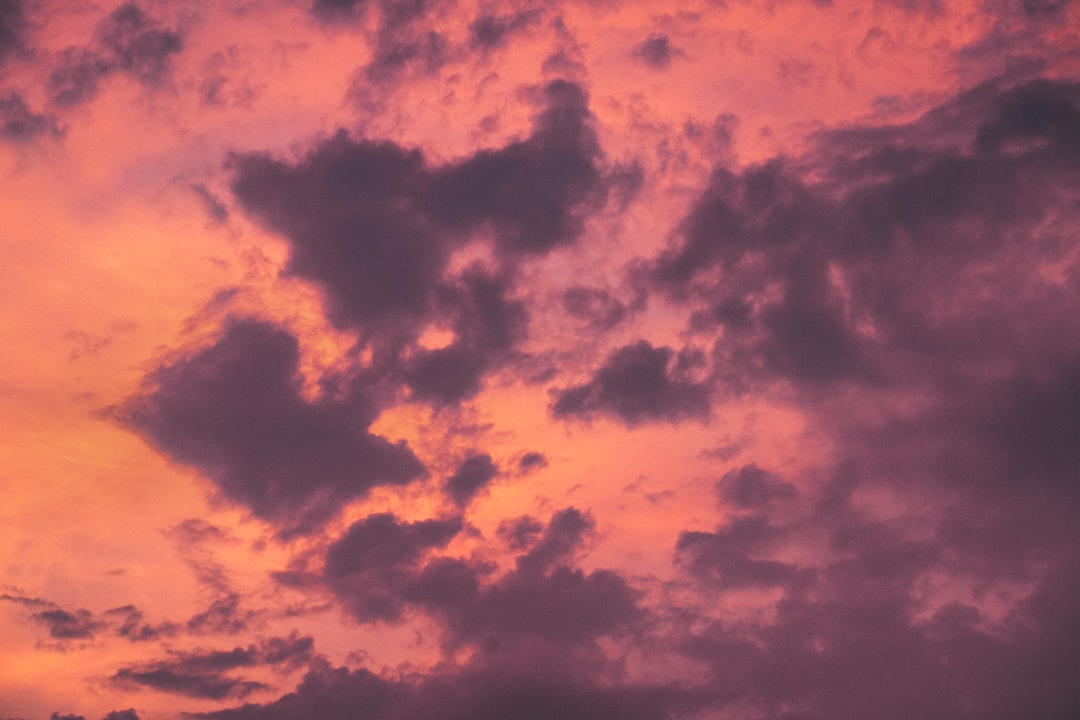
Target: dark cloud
(337, 693)
(401, 46)
(201, 674)
(214, 207)
(637, 383)
(224, 616)
(127, 40)
(136, 45)
(373, 564)
(12, 27)
(378, 570)
(472, 476)
(128, 714)
(235, 411)
(18, 123)
(751, 488)
(375, 226)
(76, 75)
(521, 532)
(729, 557)
(26, 601)
(599, 308)
(532, 192)
(489, 32)
(64, 625)
(349, 213)
(400, 40)
(657, 52)
(833, 275)
(357, 213)
(486, 324)
(337, 9)
(544, 600)
(132, 626)
(532, 461)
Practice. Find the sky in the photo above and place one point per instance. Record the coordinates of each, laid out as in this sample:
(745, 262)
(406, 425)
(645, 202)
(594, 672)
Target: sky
(587, 359)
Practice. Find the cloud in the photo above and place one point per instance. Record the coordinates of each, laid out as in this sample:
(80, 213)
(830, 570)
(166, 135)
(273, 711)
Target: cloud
(235, 412)
(471, 477)
(867, 267)
(335, 693)
(486, 325)
(597, 307)
(127, 40)
(64, 625)
(491, 31)
(128, 714)
(205, 674)
(381, 568)
(12, 27)
(375, 227)
(373, 564)
(76, 75)
(657, 52)
(532, 461)
(543, 602)
(636, 384)
(751, 488)
(338, 9)
(20, 124)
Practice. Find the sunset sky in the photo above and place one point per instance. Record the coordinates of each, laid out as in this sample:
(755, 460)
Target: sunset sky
(574, 360)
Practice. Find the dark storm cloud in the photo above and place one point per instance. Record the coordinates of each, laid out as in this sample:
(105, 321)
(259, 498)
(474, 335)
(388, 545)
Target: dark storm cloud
(637, 383)
(472, 476)
(127, 40)
(657, 51)
(18, 123)
(202, 674)
(235, 412)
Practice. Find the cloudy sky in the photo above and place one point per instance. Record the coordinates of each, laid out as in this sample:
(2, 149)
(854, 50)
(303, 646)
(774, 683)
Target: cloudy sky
(590, 360)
